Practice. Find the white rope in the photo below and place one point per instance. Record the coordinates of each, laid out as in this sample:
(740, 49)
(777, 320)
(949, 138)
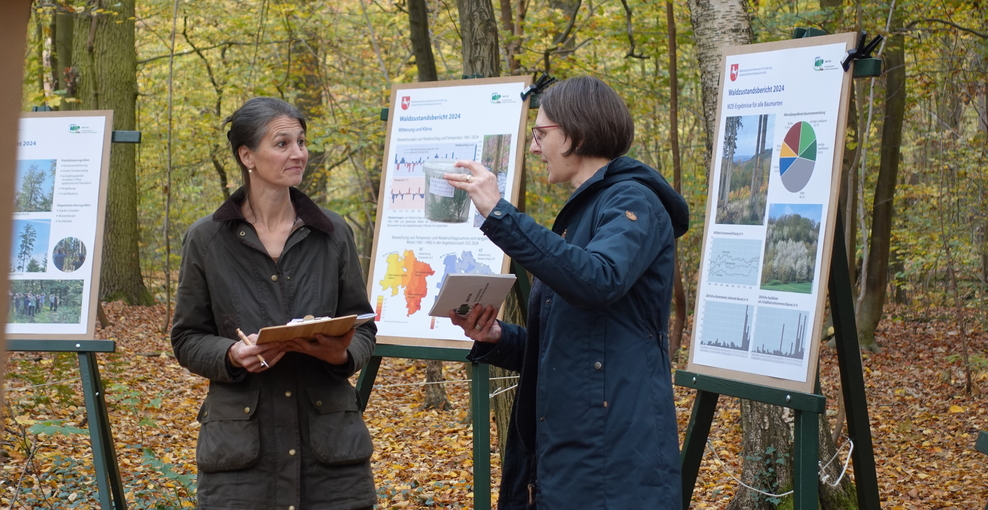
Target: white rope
(456, 381)
(825, 478)
(502, 390)
(736, 479)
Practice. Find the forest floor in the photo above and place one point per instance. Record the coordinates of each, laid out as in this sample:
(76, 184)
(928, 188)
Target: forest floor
(923, 424)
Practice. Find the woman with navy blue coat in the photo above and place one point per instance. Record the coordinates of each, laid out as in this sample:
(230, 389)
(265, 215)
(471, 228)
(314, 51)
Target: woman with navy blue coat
(593, 423)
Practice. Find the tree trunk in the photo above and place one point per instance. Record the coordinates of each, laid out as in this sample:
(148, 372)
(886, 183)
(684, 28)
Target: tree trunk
(478, 29)
(479, 32)
(678, 291)
(767, 453)
(717, 24)
(104, 53)
(873, 299)
(66, 75)
(418, 21)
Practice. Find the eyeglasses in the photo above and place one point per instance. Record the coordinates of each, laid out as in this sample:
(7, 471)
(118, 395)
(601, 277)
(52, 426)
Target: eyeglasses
(537, 136)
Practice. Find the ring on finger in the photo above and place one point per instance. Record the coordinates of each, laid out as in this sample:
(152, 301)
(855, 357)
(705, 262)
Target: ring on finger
(478, 326)
(469, 178)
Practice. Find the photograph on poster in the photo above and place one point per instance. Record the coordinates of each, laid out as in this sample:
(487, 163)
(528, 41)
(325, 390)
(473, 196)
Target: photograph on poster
(35, 185)
(45, 301)
(746, 159)
(790, 247)
(495, 157)
(781, 333)
(69, 254)
(29, 251)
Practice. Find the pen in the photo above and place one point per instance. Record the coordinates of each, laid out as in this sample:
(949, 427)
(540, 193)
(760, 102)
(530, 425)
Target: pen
(247, 341)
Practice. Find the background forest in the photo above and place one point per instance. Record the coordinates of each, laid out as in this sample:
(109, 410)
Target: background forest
(914, 186)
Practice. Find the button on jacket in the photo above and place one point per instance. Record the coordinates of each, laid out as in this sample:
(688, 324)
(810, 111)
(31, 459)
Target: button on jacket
(291, 435)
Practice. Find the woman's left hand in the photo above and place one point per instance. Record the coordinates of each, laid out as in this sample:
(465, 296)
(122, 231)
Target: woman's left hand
(480, 184)
(331, 349)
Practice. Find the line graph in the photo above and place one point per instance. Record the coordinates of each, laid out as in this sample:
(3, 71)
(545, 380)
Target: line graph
(408, 159)
(734, 261)
(407, 193)
(726, 325)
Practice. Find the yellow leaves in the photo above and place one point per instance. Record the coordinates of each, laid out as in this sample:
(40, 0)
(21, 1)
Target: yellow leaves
(957, 409)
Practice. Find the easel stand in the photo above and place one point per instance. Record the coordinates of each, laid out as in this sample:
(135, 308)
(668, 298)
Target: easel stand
(111, 493)
(480, 407)
(807, 407)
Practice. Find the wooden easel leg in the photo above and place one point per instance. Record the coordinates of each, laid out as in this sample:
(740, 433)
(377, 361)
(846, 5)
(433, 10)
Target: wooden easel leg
(480, 408)
(806, 455)
(365, 381)
(696, 441)
(852, 378)
(111, 494)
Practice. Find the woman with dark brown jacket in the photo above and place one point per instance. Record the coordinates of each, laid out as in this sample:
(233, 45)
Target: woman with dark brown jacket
(281, 427)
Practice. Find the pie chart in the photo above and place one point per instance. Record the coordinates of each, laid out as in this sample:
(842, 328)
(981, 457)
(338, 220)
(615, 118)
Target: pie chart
(798, 156)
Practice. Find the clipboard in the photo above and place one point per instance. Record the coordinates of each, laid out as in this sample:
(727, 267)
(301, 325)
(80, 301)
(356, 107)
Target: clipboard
(309, 328)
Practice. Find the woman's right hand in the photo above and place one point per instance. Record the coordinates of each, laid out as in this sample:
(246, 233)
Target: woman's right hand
(480, 325)
(243, 355)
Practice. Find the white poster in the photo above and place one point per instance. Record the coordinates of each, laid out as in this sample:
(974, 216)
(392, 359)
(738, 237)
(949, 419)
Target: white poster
(770, 201)
(426, 231)
(57, 217)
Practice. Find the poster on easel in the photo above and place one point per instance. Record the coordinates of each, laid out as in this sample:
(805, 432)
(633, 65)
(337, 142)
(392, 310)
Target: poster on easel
(771, 207)
(63, 159)
(426, 229)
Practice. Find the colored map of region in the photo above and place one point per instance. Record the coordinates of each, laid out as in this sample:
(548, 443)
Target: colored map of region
(406, 273)
(465, 263)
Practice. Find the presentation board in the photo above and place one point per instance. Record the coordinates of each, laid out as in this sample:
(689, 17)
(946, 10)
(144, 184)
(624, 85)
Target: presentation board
(63, 160)
(771, 204)
(425, 229)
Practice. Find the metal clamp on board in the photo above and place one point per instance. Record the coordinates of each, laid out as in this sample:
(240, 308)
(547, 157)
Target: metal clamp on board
(865, 65)
(537, 89)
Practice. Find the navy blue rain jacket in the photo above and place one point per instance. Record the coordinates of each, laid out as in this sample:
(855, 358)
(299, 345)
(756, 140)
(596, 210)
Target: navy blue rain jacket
(594, 422)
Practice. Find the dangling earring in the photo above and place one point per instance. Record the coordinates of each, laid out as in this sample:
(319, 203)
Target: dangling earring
(250, 170)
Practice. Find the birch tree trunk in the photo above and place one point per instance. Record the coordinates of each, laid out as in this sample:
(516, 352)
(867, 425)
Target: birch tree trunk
(717, 24)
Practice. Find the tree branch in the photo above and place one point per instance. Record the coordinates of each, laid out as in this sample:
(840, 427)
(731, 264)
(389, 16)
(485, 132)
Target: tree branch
(945, 22)
(206, 48)
(631, 34)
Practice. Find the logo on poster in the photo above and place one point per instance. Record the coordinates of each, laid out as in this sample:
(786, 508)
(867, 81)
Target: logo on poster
(823, 64)
(76, 129)
(734, 71)
(406, 101)
(499, 98)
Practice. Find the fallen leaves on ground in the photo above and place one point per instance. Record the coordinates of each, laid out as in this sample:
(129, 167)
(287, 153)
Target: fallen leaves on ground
(923, 424)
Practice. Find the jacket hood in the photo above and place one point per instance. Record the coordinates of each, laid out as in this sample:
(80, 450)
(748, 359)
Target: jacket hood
(625, 168)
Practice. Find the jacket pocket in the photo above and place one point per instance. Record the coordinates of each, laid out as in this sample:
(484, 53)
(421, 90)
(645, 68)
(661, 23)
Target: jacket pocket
(229, 435)
(337, 432)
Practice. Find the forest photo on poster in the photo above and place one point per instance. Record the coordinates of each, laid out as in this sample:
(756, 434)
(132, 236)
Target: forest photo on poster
(746, 158)
(790, 247)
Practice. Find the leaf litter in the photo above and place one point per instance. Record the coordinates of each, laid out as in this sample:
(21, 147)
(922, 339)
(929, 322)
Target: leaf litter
(923, 424)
